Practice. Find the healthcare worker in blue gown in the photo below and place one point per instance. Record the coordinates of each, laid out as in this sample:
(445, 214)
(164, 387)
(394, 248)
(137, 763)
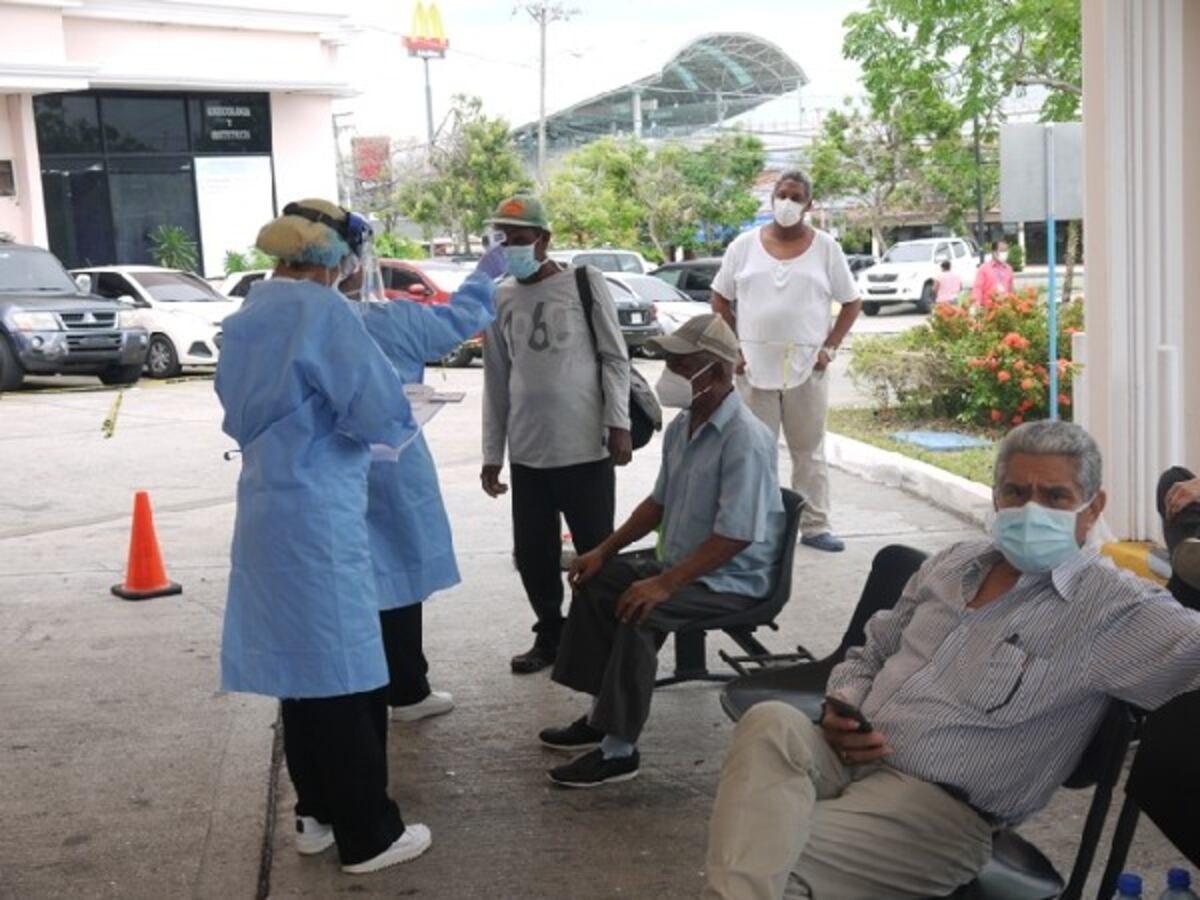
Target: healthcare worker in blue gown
(411, 543)
(305, 392)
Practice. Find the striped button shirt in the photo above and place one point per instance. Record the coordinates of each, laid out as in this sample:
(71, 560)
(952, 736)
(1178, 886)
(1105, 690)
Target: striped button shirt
(1001, 701)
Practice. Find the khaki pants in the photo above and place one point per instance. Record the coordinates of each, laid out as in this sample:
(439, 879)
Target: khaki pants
(790, 820)
(801, 412)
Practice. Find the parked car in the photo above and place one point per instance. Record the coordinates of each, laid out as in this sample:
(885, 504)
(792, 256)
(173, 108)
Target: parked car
(860, 261)
(605, 259)
(672, 307)
(907, 271)
(431, 281)
(51, 325)
(182, 312)
(692, 276)
(238, 284)
(635, 311)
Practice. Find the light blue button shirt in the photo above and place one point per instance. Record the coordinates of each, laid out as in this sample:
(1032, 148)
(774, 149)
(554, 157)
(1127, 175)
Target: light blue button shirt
(723, 480)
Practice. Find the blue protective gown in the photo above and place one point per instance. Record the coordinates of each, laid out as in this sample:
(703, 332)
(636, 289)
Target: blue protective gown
(411, 544)
(304, 390)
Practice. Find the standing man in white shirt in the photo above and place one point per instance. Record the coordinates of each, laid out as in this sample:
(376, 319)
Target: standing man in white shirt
(776, 289)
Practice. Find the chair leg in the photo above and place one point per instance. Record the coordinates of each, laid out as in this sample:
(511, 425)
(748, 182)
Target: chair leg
(691, 661)
(1121, 840)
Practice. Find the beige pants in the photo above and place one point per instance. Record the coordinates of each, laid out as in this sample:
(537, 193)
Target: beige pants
(801, 412)
(791, 821)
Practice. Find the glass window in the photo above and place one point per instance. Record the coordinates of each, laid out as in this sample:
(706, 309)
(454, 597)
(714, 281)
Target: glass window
(399, 279)
(960, 249)
(114, 287)
(670, 276)
(178, 287)
(22, 269)
(908, 253)
(941, 253)
(231, 124)
(700, 279)
(66, 123)
(148, 192)
(605, 262)
(144, 124)
(242, 288)
(627, 262)
(78, 213)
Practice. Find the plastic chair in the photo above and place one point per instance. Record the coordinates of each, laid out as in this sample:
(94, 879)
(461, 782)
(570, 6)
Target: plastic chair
(1017, 869)
(691, 662)
(1163, 783)
(803, 685)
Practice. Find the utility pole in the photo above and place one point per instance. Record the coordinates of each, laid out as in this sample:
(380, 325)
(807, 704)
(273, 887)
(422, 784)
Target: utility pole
(544, 12)
(978, 194)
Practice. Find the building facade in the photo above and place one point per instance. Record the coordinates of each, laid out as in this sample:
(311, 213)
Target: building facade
(121, 116)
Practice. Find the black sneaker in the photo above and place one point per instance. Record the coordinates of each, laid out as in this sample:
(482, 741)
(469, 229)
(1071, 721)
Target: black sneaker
(579, 735)
(534, 659)
(593, 770)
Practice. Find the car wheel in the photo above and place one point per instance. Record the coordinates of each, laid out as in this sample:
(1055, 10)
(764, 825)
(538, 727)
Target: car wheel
(11, 373)
(161, 359)
(458, 358)
(925, 304)
(871, 307)
(121, 374)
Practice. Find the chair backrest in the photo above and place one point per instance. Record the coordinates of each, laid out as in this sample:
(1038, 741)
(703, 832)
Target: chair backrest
(891, 569)
(793, 505)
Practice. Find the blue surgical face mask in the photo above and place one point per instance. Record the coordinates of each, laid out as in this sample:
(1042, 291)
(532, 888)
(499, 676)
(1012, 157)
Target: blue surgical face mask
(520, 262)
(1035, 538)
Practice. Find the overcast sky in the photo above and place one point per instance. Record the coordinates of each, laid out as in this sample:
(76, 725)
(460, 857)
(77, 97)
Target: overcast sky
(494, 54)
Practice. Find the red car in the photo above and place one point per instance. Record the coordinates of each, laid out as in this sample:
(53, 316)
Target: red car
(431, 281)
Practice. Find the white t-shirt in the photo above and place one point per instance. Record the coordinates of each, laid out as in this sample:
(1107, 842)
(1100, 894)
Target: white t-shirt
(783, 305)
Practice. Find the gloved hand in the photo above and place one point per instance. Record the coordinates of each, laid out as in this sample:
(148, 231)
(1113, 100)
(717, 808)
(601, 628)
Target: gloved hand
(492, 264)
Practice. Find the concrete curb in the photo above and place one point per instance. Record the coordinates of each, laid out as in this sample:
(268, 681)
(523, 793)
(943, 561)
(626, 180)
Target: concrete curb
(966, 499)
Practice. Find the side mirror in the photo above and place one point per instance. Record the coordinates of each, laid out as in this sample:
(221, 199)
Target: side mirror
(127, 300)
(84, 283)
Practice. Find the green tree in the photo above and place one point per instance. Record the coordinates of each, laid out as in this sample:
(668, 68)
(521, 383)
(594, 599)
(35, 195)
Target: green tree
(592, 197)
(723, 173)
(469, 171)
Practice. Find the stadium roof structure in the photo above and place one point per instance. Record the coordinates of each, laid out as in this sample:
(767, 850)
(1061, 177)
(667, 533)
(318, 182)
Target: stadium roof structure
(712, 79)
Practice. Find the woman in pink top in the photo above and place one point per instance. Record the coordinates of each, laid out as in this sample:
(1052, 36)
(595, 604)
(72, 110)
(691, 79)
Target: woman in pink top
(949, 285)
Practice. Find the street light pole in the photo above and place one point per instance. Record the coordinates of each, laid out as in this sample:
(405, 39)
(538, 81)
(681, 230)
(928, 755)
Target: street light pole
(428, 103)
(978, 193)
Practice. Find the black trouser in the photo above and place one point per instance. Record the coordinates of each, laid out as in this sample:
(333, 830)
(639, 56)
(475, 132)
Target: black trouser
(617, 662)
(336, 751)
(407, 666)
(585, 495)
(1186, 524)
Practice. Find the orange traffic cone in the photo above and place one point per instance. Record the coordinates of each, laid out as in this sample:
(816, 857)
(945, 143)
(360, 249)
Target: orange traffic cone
(145, 576)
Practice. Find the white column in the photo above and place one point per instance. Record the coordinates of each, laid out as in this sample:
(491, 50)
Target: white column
(1134, 162)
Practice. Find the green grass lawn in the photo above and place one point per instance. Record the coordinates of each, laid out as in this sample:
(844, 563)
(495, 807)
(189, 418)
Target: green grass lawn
(877, 428)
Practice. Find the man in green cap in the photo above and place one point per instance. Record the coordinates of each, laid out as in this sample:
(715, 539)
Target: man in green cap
(559, 401)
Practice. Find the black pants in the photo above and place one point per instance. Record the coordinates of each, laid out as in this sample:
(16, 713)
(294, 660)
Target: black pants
(585, 495)
(1186, 524)
(408, 670)
(617, 662)
(336, 751)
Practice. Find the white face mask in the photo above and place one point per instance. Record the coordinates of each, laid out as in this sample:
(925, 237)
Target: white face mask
(675, 391)
(1002, 256)
(787, 212)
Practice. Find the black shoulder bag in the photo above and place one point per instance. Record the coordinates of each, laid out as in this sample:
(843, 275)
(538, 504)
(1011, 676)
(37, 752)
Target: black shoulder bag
(645, 415)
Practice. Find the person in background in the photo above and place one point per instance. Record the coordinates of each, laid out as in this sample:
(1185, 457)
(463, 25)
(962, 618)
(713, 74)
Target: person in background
(784, 279)
(949, 285)
(559, 402)
(1179, 507)
(412, 547)
(305, 391)
(995, 275)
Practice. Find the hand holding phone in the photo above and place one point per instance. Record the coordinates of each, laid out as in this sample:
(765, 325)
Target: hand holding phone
(849, 711)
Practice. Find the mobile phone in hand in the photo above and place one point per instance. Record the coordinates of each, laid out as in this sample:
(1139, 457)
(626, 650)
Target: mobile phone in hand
(849, 711)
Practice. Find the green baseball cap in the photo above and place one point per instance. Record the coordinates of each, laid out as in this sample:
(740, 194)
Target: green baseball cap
(521, 209)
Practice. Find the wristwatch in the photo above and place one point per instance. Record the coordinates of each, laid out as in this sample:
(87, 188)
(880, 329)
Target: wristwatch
(831, 352)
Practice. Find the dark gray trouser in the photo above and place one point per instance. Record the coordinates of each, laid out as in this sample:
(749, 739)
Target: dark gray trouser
(1185, 525)
(617, 663)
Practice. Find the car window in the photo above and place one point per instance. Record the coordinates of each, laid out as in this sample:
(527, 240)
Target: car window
(178, 287)
(400, 279)
(670, 276)
(242, 288)
(699, 280)
(605, 262)
(960, 249)
(29, 270)
(942, 252)
(113, 286)
(628, 263)
(902, 253)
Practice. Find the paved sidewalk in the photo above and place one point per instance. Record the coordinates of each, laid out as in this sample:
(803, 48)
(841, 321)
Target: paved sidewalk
(126, 774)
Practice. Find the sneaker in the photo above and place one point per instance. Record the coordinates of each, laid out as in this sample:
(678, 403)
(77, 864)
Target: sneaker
(535, 659)
(436, 704)
(1185, 561)
(826, 541)
(579, 735)
(592, 770)
(311, 836)
(415, 841)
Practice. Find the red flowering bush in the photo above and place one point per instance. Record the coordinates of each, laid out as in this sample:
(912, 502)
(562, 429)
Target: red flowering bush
(983, 364)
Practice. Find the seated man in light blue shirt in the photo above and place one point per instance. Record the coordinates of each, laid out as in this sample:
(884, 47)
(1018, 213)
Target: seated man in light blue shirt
(718, 503)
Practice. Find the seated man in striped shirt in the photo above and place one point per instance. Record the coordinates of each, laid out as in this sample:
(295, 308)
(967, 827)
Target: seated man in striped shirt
(982, 687)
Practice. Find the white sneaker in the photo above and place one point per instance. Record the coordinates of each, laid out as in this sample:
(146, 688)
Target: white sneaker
(436, 704)
(415, 841)
(311, 836)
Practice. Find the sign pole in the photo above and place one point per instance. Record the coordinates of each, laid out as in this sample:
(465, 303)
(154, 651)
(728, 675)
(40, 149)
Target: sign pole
(1052, 265)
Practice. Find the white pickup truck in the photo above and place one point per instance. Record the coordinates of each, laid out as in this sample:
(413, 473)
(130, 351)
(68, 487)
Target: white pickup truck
(907, 271)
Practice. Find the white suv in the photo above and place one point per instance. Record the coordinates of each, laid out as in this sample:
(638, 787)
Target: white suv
(907, 270)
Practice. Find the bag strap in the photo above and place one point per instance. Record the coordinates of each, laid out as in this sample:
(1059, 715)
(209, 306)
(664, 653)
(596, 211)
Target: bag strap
(584, 285)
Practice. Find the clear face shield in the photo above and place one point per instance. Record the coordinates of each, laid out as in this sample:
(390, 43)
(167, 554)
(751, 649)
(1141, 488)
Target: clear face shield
(370, 276)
